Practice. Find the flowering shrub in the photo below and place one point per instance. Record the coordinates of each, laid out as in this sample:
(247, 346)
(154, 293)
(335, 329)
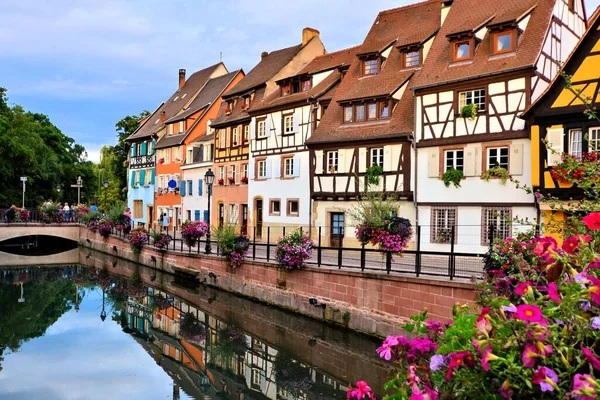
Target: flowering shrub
(392, 235)
(233, 245)
(81, 210)
(137, 239)
(192, 231)
(294, 249)
(104, 227)
(51, 213)
(191, 329)
(291, 375)
(537, 334)
(17, 214)
(582, 172)
(161, 240)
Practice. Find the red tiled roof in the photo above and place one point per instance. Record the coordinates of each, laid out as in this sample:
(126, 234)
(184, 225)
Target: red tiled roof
(467, 15)
(406, 25)
(237, 114)
(331, 60)
(175, 103)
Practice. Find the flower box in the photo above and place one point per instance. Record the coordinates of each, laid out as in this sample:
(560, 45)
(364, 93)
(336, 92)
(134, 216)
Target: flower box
(161, 160)
(231, 180)
(244, 179)
(221, 181)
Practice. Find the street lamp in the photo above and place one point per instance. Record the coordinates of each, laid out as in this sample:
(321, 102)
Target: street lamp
(103, 313)
(209, 178)
(105, 184)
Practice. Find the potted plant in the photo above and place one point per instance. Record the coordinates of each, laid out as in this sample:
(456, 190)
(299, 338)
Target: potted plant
(231, 180)
(374, 172)
(294, 249)
(444, 235)
(192, 231)
(244, 180)
(161, 160)
(469, 111)
(233, 245)
(137, 239)
(496, 172)
(221, 182)
(332, 169)
(51, 213)
(453, 176)
(104, 227)
(161, 240)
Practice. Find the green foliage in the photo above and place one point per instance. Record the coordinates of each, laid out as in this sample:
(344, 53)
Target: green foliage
(453, 176)
(373, 209)
(226, 236)
(469, 111)
(373, 174)
(496, 172)
(30, 145)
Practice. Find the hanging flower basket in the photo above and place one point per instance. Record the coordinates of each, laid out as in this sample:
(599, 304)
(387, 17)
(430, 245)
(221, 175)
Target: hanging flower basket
(191, 329)
(192, 231)
(137, 239)
(294, 249)
(221, 182)
(104, 227)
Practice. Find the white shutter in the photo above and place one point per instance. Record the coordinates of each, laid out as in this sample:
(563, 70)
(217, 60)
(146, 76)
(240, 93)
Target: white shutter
(296, 122)
(342, 161)
(238, 173)
(281, 165)
(252, 129)
(387, 158)
(267, 127)
(268, 174)
(296, 166)
(469, 160)
(434, 164)
(516, 159)
(251, 170)
(555, 146)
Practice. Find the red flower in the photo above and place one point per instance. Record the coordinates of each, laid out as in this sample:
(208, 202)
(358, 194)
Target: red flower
(572, 243)
(594, 290)
(592, 221)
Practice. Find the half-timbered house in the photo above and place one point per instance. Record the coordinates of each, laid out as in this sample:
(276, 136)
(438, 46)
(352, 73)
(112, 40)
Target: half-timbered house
(370, 122)
(560, 124)
(232, 126)
(489, 61)
(279, 186)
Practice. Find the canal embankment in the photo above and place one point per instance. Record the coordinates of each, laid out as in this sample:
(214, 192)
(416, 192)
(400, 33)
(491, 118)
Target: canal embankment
(370, 303)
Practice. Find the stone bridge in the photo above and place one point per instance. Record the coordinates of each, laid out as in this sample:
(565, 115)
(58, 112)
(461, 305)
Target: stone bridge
(15, 230)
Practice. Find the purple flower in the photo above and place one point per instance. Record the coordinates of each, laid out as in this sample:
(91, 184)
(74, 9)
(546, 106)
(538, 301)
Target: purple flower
(437, 362)
(585, 305)
(595, 323)
(546, 378)
(510, 308)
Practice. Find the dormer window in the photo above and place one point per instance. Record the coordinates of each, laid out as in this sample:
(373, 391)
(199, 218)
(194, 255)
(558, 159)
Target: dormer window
(306, 85)
(504, 42)
(228, 107)
(246, 102)
(371, 66)
(366, 111)
(462, 50)
(286, 89)
(411, 59)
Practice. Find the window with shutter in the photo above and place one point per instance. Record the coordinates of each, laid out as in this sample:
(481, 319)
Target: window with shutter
(555, 146)
(200, 187)
(190, 188)
(196, 215)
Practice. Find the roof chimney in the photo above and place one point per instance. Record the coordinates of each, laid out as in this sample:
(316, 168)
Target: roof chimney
(308, 34)
(163, 116)
(181, 78)
(263, 55)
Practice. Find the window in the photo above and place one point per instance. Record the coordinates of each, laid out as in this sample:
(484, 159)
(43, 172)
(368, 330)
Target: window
(575, 139)
(292, 207)
(495, 224)
(462, 50)
(180, 126)
(594, 140)
(234, 136)
(190, 156)
(138, 209)
(443, 221)
(360, 112)
(256, 377)
(261, 128)
(348, 114)
(371, 111)
(148, 179)
(306, 85)
(246, 133)
(262, 169)
(161, 181)
(412, 58)
(332, 161)
(245, 170)
(275, 207)
(233, 174)
(222, 173)
(288, 167)
(288, 123)
(504, 42)
(453, 159)
(167, 155)
(377, 157)
(170, 129)
(476, 97)
(497, 156)
(370, 67)
(384, 109)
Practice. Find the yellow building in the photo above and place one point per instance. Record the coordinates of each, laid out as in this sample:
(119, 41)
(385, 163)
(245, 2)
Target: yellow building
(559, 124)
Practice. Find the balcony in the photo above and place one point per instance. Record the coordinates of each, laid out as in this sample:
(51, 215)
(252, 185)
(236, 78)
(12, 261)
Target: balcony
(141, 161)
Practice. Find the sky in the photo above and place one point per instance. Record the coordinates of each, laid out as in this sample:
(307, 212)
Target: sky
(89, 63)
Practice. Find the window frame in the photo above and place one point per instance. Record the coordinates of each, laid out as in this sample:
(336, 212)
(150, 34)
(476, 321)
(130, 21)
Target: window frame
(376, 68)
(405, 54)
(245, 133)
(455, 46)
(596, 131)
(444, 159)
(288, 208)
(235, 137)
(448, 221)
(364, 115)
(485, 223)
(512, 32)
(284, 127)
(262, 121)
(570, 141)
(181, 126)
(473, 91)
(367, 111)
(345, 114)
(328, 161)
(244, 170)
(306, 84)
(498, 147)
(284, 170)
(372, 152)
(272, 212)
(259, 162)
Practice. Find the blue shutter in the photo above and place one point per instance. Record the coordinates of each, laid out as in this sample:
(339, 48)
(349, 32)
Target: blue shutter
(153, 172)
(134, 149)
(190, 188)
(197, 215)
(143, 150)
(132, 178)
(182, 188)
(205, 215)
(152, 147)
(200, 187)
(142, 177)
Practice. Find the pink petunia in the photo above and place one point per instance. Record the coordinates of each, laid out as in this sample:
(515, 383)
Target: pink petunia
(584, 387)
(591, 358)
(592, 221)
(529, 355)
(487, 357)
(529, 313)
(389, 344)
(505, 390)
(546, 378)
(361, 391)
(553, 293)
(571, 244)
(594, 290)
(523, 288)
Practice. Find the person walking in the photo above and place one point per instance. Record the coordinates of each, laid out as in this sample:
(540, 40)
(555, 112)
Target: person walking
(165, 222)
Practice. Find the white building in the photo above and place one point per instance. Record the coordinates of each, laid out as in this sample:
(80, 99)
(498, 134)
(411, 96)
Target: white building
(198, 161)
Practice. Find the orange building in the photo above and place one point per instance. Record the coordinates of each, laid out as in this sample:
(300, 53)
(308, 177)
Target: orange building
(203, 98)
(233, 127)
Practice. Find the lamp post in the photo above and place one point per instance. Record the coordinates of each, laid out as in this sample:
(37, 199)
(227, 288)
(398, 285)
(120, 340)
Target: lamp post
(105, 184)
(209, 178)
(103, 313)
(23, 179)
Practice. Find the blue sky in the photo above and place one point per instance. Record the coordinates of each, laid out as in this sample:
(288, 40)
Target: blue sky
(88, 63)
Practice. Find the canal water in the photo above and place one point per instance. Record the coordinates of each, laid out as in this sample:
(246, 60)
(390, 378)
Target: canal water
(105, 328)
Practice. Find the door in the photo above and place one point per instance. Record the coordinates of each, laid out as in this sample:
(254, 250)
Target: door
(221, 214)
(188, 215)
(150, 216)
(336, 233)
(244, 219)
(259, 217)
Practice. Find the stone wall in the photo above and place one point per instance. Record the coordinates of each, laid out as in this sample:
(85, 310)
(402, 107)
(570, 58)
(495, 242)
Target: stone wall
(370, 303)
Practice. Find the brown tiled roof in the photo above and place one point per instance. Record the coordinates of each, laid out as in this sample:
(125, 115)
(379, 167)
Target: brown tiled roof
(265, 70)
(210, 92)
(175, 103)
(390, 26)
(331, 60)
(170, 140)
(237, 113)
(467, 15)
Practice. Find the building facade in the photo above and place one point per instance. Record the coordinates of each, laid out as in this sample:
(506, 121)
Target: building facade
(279, 189)
(233, 127)
(559, 119)
(198, 161)
(141, 172)
(482, 72)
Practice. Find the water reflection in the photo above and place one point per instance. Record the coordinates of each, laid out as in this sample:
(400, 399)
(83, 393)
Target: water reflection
(196, 342)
